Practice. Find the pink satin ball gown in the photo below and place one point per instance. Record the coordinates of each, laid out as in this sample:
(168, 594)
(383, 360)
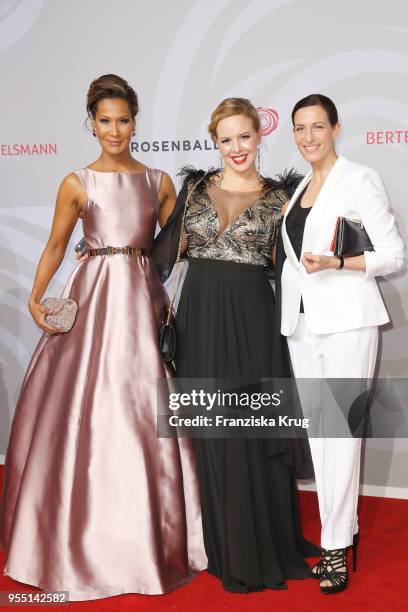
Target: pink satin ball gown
(93, 502)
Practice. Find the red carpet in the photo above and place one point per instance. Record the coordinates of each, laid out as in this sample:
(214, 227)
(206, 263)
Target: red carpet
(380, 583)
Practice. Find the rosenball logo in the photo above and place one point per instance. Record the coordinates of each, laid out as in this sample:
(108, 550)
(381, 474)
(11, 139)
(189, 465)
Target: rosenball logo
(269, 120)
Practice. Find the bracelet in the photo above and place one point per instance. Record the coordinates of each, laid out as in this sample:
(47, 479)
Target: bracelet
(341, 262)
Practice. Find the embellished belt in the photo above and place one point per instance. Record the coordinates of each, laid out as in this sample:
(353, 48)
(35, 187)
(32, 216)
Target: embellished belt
(110, 250)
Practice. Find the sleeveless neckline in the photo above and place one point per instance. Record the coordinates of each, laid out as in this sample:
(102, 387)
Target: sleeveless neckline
(116, 172)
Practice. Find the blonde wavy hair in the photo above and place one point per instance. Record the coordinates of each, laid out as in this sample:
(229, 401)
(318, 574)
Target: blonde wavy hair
(230, 107)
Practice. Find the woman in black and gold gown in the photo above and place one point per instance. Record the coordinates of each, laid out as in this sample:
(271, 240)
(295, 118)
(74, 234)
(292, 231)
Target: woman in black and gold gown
(226, 328)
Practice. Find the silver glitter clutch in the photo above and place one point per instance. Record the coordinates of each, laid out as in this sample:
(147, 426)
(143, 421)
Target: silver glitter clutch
(64, 312)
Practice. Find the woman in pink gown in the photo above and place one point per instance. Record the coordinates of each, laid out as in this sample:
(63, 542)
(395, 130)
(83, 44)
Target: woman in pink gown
(93, 502)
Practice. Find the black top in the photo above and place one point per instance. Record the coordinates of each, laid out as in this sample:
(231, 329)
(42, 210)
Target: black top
(295, 227)
(295, 224)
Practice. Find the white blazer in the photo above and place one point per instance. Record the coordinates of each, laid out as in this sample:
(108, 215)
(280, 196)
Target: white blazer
(340, 300)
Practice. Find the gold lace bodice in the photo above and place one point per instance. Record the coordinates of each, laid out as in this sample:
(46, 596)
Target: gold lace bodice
(233, 226)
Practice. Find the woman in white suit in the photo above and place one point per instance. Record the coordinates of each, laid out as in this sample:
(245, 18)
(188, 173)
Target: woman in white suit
(332, 307)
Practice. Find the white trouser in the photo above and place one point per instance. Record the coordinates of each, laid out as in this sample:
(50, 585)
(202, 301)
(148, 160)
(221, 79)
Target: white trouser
(349, 354)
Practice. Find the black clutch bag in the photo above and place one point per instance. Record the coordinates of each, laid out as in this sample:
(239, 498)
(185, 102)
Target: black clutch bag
(167, 341)
(350, 238)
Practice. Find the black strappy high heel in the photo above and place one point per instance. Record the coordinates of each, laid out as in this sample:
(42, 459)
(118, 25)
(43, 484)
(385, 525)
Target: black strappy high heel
(334, 561)
(319, 570)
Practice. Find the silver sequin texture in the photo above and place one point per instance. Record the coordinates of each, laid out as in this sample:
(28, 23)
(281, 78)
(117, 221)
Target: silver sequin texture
(249, 239)
(63, 317)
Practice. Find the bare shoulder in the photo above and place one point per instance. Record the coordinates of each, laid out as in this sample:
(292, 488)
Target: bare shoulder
(72, 188)
(167, 197)
(71, 182)
(166, 180)
(166, 185)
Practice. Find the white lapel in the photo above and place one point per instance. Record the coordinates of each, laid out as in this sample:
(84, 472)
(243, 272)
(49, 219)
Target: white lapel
(315, 216)
(290, 253)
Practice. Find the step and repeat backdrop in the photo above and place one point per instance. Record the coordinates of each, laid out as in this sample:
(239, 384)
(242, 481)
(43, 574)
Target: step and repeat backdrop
(183, 57)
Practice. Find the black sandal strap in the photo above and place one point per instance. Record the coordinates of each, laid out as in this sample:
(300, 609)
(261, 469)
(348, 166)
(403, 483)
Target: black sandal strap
(336, 574)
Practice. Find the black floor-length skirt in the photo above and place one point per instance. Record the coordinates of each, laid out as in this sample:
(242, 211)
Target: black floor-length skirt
(226, 329)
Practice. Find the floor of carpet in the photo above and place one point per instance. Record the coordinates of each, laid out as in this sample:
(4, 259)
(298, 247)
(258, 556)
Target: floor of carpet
(379, 585)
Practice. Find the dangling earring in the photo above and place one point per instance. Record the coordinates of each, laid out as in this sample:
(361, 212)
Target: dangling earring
(134, 133)
(93, 133)
(258, 160)
(221, 162)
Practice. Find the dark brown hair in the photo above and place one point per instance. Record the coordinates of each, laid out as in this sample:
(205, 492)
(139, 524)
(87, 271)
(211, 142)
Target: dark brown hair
(110, 86)
(230, 107)
(318, 100)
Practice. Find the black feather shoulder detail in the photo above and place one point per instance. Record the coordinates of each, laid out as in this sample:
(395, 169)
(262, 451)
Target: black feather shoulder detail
(287, 182)
(190, 174)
